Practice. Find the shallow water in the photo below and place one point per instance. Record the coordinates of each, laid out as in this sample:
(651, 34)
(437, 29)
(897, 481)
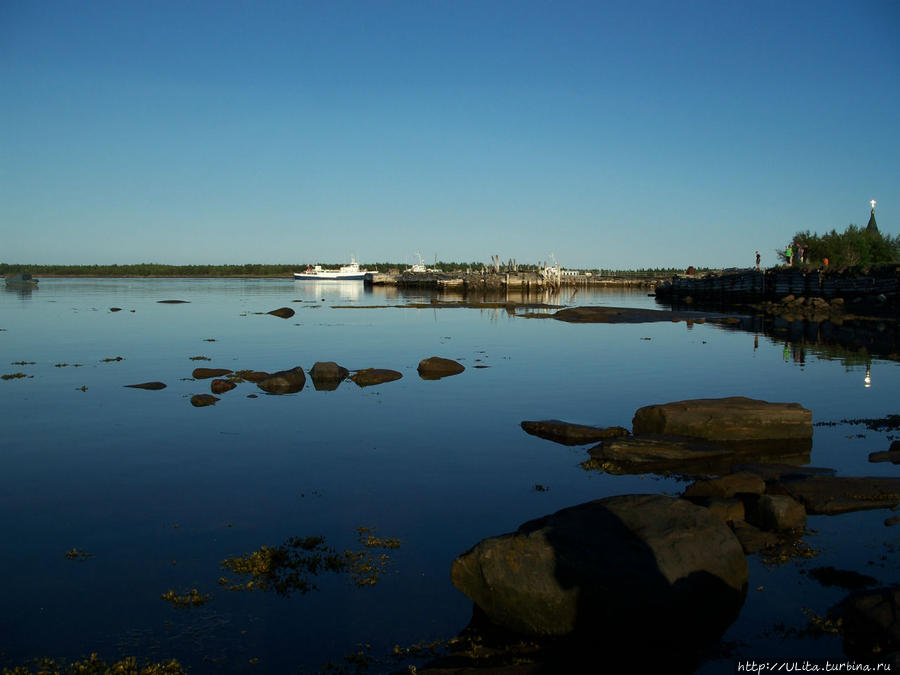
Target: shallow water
(160, 493)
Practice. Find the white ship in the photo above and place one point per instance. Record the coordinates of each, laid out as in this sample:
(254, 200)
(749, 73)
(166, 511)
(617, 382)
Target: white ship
(351, 272)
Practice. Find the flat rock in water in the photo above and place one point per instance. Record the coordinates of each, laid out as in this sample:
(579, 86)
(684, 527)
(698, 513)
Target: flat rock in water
(282, 312)
(775, 471)
(829, 495)
(627, 565)
(626, 315)
(206, 373)
(172, 302)
(733, 419)
(283, 381)
(727, 486)
(201, 400)
(372, 376)
(436, 367)
(570, 434)
(147, 385)
(667, 454)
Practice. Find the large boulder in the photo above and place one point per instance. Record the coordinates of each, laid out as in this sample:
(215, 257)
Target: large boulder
(436, 367)
(283, 381)
(570, 434)
(327, 375)
(733, 419)
(629, 565)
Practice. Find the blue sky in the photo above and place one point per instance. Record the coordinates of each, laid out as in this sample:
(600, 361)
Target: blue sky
(614, 135)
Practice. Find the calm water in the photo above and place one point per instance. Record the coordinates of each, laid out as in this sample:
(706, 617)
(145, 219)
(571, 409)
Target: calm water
(160, 493)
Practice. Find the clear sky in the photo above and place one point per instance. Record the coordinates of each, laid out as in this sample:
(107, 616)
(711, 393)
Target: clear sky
(617, 135)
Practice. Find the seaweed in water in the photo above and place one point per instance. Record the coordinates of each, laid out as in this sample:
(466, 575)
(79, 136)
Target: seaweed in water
(289, 568)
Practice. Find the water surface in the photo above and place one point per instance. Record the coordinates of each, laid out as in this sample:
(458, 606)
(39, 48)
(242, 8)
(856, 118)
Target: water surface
(160, 493)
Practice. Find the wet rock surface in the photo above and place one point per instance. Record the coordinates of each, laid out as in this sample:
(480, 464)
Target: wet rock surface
(570, 434)
(206, 373)
(148, 385)
(628, 315)
(202, 400)
(369, 377)
(436, 367)
(327, 375)
(283, 381)
(871, 623)
(734, 418)
(629, 563)
(829, 495)
(221, 386)
(282, 312)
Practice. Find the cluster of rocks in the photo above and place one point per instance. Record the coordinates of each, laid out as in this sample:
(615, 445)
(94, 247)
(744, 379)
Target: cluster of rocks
(815, 309)
(325, 375)
(632, 567)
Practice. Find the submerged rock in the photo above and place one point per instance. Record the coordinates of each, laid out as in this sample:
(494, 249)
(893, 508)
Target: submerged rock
(368, 377)
(436, 367)
(626, 565)
(147, 385)
(570, 434)
(206, 373)
(742, 482)
(327, 375)
(283, 381)
(733, 419)
(201, 400)
(870, 622)
(282, 312)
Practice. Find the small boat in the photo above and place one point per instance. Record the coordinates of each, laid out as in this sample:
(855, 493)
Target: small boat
(21, 280)
(351, 272)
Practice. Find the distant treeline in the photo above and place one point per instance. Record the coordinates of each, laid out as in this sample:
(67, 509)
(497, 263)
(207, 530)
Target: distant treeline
(855, 246)
(261, 270)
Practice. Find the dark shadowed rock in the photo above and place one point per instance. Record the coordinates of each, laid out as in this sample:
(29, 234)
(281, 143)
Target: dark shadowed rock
(830, 495)
(148, 385)
(727, 509)
(172, 302)
(283, 381)
(327, 375)
(372, 376)
(282, 312)
(846, 579)
(775, 471)
(734, 419)
(221, 386)
(632, 563)
(571, 434)
(206, 373)
(115, 309)
(775, 513)
(753, 540)
(253, 375)
(201, 400)
(435, 367)
(870, 622)
(727, 486)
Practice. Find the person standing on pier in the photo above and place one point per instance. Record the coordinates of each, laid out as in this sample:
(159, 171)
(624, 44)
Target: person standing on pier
(789, 255)
(757, 261)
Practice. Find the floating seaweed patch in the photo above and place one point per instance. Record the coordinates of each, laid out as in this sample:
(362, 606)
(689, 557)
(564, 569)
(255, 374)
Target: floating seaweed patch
(75, 554)
(22, 363)
(15, 376)
(193, 598)
(199, 358)
(290, 567)
(60, 365)
(112, 358)
(94, 665)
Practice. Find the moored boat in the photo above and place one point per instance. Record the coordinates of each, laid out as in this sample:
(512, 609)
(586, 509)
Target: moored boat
(351, 272)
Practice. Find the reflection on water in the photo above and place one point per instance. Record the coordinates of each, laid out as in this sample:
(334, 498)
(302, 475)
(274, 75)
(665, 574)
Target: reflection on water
(160, 493)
